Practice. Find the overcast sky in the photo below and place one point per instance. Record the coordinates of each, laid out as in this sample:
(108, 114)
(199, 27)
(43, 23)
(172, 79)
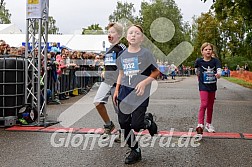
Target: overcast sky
(72, 16)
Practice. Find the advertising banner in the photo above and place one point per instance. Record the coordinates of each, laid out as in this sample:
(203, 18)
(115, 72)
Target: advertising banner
(37, 9)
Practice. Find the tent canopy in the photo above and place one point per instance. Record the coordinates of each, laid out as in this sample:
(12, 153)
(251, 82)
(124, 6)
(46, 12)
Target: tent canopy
(92, 43)
(9, 29)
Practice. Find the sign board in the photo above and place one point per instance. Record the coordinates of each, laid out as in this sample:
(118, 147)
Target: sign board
(37, 9)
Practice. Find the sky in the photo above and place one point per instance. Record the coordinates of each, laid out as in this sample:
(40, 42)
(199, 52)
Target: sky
(72, 16)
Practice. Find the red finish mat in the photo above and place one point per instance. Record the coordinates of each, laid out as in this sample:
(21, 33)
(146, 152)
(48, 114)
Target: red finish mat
(247, 136)
(100, 131)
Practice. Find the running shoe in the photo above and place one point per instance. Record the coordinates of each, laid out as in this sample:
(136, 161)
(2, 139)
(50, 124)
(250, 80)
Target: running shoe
(134, 157)
(199, 129)
(118, 138)
(210, 128)
(109, 128)
(150, 124)
(23, 121)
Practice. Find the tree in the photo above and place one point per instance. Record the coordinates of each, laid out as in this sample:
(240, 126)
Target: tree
(52, 29)
(93, 29)
(235, 27)
(4, 14)
(124, 15)
(163, 9)
(149, 13)
(187, 31)
(123, 10)
(206, 28)
(248, 46)
(225, 8)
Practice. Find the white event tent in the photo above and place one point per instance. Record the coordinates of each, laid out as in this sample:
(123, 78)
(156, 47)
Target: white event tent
(89, 43)
(9, 29)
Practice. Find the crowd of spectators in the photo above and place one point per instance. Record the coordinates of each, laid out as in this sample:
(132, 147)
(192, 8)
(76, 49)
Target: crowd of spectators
(171, 70)
(62, 64)
(242, 68)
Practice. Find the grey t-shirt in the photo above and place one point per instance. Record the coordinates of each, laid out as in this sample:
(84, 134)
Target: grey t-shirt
(136, 67)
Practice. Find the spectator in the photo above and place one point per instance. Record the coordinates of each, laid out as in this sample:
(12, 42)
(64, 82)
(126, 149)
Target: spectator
(173, 70)
(162, 71)
(2, 47)
(22, 50)
(19, 52)
(13, 51)
(238, 68)
(55, 48)
(246, 67)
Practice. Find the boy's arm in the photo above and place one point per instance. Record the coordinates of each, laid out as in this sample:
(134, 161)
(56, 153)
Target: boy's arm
(118, 83)
(140, 88)
(119, 79)
(154, 74)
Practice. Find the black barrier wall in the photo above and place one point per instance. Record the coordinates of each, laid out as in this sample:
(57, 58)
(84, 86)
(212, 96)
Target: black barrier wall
(12, 77)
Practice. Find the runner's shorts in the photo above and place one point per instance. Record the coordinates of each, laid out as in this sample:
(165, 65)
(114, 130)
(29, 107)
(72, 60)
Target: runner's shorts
(103, 94)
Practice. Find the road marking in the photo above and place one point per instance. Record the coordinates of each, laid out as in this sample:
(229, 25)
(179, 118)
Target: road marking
(247, 136)
(219, 135)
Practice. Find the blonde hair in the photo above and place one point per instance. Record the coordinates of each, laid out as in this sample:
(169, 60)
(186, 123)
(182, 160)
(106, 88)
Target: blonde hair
(118, 27)
(214, 54)
(205, 45)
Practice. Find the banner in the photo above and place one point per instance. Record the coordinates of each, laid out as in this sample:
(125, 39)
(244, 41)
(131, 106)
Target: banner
(49, 45)
(37, 9)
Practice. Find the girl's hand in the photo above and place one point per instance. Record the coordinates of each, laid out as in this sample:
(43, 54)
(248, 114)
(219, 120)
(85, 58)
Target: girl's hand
(217, 76)
(140, 88)
(102, 74)
(115, 97)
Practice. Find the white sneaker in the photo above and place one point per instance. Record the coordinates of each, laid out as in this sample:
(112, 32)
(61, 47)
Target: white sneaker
(210, 128)
(199, 129)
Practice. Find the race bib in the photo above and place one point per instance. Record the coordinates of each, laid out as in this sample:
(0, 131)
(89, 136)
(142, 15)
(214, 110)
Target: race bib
(209, 77)
(130, 66)
(110, 59)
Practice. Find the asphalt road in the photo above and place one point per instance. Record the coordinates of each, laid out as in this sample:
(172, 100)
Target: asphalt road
(175, 106)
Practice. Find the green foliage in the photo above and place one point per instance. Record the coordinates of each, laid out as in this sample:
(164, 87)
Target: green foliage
(123, 10)
(167, 9)
(205, 29)
(93, 29)
(232, 62)
(4, 14)
(124, 13)
(226, 8)
(52, 28)
(234, 18)
(227, 25)
(231, 30)
(150, 11)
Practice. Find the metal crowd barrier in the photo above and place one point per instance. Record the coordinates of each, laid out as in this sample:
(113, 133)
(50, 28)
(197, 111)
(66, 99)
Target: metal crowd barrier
(68, 83)
(12, 85)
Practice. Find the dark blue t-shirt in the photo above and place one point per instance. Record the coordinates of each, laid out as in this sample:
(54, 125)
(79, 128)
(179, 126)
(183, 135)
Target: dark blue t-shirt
(207, 71)
(111, 72)
(136, 67)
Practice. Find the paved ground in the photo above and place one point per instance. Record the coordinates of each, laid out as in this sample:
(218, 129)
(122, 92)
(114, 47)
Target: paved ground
(175, 105)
